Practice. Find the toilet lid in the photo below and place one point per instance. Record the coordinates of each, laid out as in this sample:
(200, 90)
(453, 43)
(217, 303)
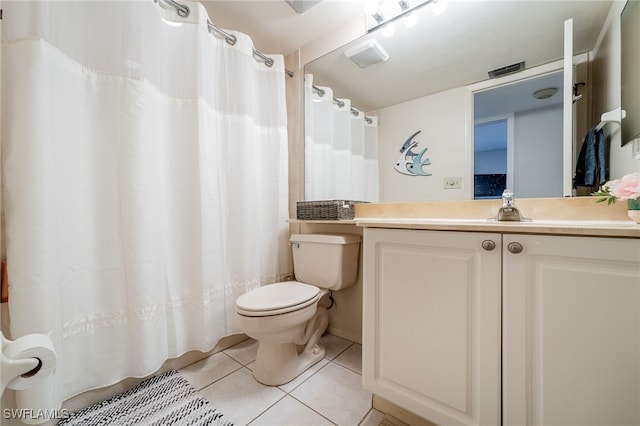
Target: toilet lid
(278, 298)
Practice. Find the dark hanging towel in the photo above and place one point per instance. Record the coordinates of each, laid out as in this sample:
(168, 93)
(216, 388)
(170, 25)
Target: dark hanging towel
(592, 168)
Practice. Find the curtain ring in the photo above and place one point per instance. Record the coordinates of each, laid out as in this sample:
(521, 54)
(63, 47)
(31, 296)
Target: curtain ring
(231, 39)
(183, 10)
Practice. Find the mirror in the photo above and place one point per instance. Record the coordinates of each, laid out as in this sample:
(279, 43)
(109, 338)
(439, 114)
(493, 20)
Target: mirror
(630, 34)
(426, 85)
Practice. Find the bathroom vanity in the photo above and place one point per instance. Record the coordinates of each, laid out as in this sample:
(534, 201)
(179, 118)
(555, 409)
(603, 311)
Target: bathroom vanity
(471, 322)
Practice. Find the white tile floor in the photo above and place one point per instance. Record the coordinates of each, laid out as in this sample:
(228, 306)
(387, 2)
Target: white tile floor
(329, 393)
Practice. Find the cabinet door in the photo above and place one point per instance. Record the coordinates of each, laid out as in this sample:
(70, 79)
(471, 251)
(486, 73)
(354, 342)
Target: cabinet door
(431, 329)
(571, 331)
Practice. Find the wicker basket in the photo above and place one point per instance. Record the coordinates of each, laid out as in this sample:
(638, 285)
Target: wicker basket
(326, 209)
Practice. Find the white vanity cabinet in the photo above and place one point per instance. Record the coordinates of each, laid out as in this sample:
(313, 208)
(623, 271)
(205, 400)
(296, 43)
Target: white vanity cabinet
(571, 331)
(541, 330)
(431, 327)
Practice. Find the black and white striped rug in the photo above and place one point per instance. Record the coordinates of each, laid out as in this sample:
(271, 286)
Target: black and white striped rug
(166, 399)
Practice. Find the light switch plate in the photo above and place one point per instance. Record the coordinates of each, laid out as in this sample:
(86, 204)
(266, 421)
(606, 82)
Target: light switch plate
(452, 183)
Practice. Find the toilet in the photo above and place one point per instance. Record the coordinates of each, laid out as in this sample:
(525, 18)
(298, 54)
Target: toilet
(285, 318)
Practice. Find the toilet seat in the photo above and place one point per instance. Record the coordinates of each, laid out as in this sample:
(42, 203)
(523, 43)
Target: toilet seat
(276, 299)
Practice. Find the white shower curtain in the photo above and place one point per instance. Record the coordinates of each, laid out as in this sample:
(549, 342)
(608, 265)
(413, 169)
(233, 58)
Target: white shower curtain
(341, 148)
(145, 185)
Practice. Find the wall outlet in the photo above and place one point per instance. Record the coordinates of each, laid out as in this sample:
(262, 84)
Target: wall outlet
(452, 183)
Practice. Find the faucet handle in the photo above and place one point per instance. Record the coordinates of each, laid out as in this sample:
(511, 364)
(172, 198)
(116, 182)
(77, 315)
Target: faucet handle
(507, 198)
(508, 211)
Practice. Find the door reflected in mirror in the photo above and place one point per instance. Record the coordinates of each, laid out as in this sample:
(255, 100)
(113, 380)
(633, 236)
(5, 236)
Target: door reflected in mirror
(490, 174)
(518, 133)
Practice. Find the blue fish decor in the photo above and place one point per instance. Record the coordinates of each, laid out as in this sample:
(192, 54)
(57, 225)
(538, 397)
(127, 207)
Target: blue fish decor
(412, 163)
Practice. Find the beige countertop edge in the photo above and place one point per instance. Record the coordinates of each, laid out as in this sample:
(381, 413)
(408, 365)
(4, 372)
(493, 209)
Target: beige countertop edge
(626, 229)
(329, 222)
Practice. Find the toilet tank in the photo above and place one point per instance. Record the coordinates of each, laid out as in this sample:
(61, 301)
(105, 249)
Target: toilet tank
(327, 261)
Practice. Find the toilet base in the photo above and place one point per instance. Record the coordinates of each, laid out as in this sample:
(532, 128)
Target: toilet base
(286, 356)
(279, 362)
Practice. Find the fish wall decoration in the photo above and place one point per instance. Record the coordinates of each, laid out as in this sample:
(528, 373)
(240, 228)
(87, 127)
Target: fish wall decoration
(412, 163)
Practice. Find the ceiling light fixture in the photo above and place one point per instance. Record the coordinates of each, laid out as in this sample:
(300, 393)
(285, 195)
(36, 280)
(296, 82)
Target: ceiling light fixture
(370, 7)
(378, 17)
(388, 11)
(411, 20)
(545, 93)
(439, 6)
(388, 29)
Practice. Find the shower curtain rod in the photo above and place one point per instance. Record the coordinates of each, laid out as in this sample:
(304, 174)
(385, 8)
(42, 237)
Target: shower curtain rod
(183, 11)
(340, 103)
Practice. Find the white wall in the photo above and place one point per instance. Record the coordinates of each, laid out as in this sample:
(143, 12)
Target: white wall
(607, 95)
(333, 39)
(442, 118)
(538, 153)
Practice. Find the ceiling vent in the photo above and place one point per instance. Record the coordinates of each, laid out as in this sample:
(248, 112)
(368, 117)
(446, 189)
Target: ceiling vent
(367, 53)
(301, 6)
(509, 69)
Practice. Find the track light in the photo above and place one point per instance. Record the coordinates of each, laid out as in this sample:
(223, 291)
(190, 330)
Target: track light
(385, 12)
(439, 6)
(411, 19)
(388, 29)
(370, 7)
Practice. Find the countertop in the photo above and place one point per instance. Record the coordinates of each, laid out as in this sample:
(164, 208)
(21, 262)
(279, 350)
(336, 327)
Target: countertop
(580, 216)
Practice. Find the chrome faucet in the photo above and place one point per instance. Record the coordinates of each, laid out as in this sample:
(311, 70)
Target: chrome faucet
(508, 211)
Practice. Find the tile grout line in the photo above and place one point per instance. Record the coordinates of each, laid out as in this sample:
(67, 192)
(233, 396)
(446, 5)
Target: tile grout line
(341, 352)
(222, 377)
(368, 412)
(331, 360)
(285, 393)
(305, 380)
(314, 410)
(289, 394)
(226, 375)
(269, 407)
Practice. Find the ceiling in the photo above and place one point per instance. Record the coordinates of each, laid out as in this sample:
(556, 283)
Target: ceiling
(275, 27)
(458, 48)
(517, 97)
(444, 51)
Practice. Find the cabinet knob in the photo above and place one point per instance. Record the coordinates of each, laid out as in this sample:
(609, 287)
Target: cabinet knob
(488, 245)
(514, 247)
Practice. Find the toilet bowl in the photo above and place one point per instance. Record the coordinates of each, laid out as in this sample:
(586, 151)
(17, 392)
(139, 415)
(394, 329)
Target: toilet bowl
(287, 318)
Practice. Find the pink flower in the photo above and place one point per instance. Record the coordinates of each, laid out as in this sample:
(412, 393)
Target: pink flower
(627, 187)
